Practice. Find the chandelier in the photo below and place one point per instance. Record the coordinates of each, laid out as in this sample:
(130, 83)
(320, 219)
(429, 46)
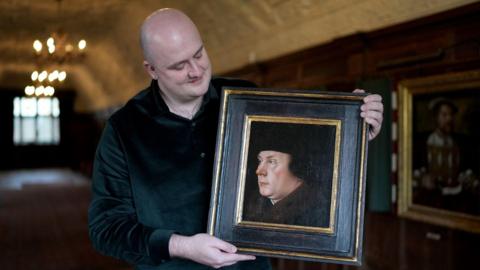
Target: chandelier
(57, 48)
(50, 55)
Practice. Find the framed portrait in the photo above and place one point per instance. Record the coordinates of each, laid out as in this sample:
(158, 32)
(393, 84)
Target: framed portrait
(289, 177)
(439, 150)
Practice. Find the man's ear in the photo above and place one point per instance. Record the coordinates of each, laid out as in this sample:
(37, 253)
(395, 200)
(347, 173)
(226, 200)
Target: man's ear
(150, 69)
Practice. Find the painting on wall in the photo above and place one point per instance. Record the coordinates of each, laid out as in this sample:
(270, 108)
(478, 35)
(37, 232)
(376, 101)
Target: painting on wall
(439, 150)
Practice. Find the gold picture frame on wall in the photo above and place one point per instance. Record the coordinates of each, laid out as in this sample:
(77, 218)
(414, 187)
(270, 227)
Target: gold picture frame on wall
(439, 150)
(318, 142)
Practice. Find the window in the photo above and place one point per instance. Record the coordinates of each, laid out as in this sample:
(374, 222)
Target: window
(36, 121)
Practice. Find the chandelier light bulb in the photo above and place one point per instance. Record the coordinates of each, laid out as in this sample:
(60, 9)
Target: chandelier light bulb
(61, 76)
(39, 90)
(49, 90)
(37, 45)
(42, 76)
(29, 90)
(50, 42)
(82, 44)
(69, 48)
(51, 49)
(34, 75)
(52, 76)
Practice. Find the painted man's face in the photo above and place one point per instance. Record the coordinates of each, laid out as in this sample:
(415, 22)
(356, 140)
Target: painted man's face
(275, 181)
(445, 119)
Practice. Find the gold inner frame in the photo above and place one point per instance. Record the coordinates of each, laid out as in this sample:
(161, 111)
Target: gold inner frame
(248, 119)
(407, 89)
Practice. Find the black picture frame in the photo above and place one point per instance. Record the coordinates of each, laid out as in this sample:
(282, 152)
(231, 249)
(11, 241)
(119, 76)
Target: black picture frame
(322, 220)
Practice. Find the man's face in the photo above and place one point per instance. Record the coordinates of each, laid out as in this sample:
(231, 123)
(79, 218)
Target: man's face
(445, 118)
(275, 180)
(182, 67)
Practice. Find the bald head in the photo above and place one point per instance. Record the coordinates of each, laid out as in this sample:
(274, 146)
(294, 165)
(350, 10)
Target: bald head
(165, 28)
(176, 58)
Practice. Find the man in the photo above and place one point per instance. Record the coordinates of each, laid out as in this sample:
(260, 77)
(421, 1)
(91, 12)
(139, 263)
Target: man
(447, 163)
(442, 148)
(294, 181)
(440, 159)
(152, 171)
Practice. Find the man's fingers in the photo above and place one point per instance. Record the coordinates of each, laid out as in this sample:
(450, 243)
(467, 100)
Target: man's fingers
(372, 134)
(208, 250)
(372, 98)
(231, 258)
(374, 106)
(372, 112)
(373, 122)
(238, 257)
(358, 91)
(226, 259)
(378, 116)
(222, 245)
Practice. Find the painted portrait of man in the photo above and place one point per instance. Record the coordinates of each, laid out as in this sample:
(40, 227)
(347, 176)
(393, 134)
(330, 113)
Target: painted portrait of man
(289, 177)
(445, 155)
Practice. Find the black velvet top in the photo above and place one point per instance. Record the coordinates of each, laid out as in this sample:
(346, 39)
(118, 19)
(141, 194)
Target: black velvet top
(152, 177)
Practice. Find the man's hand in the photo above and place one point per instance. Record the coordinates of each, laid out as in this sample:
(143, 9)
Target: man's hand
(372, 112)
(205, 249)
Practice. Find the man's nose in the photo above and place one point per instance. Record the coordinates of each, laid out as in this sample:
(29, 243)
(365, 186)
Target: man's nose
(260, 169)
(195, 70)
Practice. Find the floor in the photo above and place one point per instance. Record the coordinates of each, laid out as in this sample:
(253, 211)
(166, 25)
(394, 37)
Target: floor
(43, 222)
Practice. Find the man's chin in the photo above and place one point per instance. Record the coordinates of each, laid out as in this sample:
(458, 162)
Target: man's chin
(197, 91)
(265, 194)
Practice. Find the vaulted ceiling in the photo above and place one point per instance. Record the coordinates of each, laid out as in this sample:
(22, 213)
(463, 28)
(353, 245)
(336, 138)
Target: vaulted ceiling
(235, 32)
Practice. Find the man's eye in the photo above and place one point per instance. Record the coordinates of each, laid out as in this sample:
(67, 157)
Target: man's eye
(197, 56)
(179, 67)
(272, 161)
